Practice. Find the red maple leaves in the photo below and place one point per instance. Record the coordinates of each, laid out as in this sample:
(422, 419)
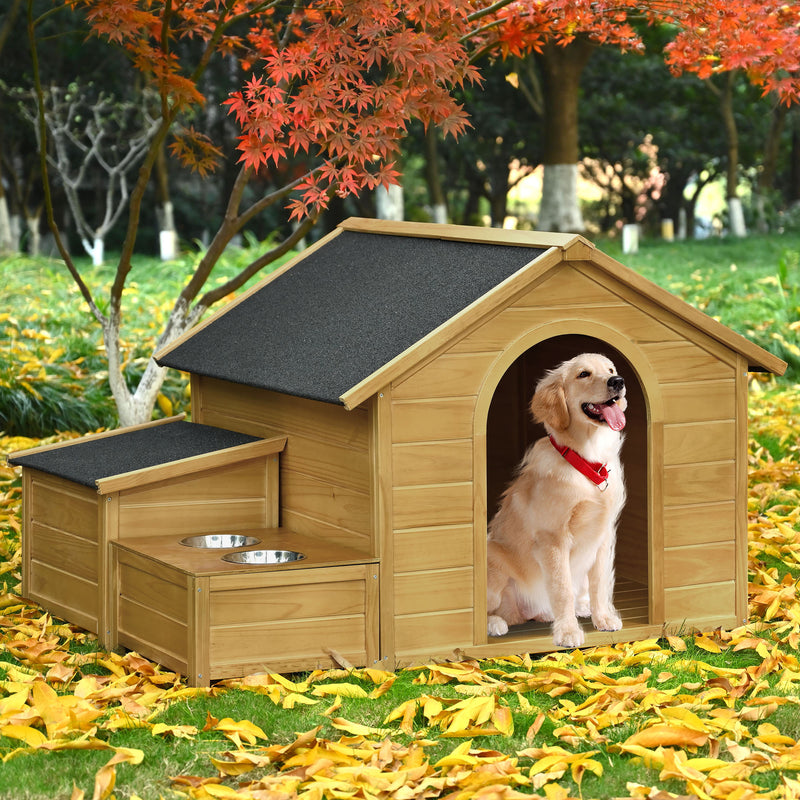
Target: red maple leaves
(761, 37)
(337, 82)
(341, 82)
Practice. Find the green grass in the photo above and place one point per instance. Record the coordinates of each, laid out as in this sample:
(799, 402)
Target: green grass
(53, 373)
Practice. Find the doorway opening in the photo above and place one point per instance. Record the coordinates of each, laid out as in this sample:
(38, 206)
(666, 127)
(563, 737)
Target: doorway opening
(510, 430)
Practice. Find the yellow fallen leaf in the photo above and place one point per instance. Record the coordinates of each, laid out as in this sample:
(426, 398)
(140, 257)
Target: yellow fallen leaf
(460, 756)
(341, 689)
(24, 733)
(357, 729)
(667, 736)
(705, 643)
(236, 731)
(178, 731)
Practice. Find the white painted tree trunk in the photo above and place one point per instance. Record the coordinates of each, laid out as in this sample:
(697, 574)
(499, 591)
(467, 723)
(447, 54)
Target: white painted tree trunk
(389, 202)
(559, 209)
(736, 215)
(96, 250)
(6, 231)
(136, 407)
(168, 236)
(34, 235)
(439, 214)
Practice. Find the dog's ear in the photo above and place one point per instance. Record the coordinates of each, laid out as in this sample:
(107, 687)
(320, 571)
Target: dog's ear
(549, 404)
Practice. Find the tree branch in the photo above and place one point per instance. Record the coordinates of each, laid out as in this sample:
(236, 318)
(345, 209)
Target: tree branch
(48, 198)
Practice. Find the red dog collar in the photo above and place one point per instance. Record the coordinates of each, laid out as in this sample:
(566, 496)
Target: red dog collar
(594, 471)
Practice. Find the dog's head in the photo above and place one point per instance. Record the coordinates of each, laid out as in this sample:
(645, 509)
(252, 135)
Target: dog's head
(586, 387)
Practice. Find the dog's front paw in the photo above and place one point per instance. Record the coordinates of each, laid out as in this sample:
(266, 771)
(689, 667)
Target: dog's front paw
(497, 626)
(607, 621)
(567, 634)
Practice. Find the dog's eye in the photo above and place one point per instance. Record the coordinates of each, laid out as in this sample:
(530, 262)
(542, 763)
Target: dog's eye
(585, 374)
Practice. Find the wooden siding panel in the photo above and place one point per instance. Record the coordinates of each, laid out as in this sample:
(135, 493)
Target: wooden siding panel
(325, 483)
(699, 441)
(432, 420)
(334, 506)
(707, 602)
(63, 550)
(270, 604)
(433, 590)
(507, 326)
(429, 506)
(139, 624)
(141, 584)
(182, 518)
(432, 462)
(562, 287)
(699, 564)
(423, 635)
(679, 362)
(699, 483)
(449, 375)
(236, 480)
(433, 548)
(699, 524)
(73, 598)
(65, 506)
(699, 401)
(292, 639)
(281, 413)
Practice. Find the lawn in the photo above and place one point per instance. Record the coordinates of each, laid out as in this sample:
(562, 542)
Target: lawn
(711, 714)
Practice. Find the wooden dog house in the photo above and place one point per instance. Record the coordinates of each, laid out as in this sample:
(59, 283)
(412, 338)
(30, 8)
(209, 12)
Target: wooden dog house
(396, 362)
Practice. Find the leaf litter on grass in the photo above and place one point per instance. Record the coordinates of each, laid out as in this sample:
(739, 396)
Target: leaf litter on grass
(710, 714)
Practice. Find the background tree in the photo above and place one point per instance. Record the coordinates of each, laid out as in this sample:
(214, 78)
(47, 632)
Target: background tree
(717, 40)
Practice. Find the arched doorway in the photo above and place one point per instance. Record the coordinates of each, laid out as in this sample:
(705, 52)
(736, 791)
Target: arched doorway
(510, 430)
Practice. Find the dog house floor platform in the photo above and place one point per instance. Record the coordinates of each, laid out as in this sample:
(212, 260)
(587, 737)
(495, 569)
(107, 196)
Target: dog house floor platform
(193, 611)
(631, 601)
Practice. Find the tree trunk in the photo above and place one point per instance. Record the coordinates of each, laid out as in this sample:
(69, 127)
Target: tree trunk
(167, 234)
(766, 178)
(433, 176)
(561, 71)
(7, 244)
(735, 213)
(389, 202)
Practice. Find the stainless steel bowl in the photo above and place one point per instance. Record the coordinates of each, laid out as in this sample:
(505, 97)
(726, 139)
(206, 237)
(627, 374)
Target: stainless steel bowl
(218, 541)
(263, 557)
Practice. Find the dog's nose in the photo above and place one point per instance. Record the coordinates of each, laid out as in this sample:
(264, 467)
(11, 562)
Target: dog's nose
(616, 383)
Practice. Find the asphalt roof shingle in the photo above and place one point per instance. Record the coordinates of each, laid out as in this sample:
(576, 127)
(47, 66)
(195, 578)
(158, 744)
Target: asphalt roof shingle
(344, 311)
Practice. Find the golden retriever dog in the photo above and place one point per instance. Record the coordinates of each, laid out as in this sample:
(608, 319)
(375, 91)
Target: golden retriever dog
(551, 543)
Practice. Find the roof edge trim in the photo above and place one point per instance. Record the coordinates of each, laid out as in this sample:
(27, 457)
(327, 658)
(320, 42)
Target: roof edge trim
(543, 240)
(758, 359)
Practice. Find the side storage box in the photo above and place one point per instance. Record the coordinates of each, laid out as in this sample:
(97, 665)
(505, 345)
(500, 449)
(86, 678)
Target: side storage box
(209, 620)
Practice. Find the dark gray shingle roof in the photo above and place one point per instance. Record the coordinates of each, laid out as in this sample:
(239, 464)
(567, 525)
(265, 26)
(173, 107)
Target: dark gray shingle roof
(344, 311)
(86, 461)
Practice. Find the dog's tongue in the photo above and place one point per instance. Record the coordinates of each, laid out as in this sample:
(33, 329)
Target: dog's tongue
(613, 415)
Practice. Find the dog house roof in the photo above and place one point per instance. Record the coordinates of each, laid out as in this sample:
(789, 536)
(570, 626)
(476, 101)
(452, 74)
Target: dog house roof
(356, 309)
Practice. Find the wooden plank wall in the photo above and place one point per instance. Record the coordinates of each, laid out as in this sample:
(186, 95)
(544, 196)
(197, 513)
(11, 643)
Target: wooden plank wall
(61, 552)
(228, 498)
(325, 467)
(432, 430)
